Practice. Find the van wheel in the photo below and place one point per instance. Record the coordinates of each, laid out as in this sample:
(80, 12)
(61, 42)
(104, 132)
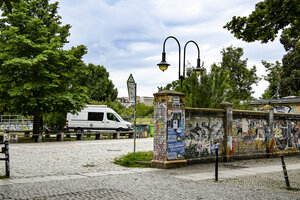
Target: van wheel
(78, 130)
(120, 129)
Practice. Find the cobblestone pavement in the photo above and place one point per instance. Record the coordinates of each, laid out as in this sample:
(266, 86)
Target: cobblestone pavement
(83, 170)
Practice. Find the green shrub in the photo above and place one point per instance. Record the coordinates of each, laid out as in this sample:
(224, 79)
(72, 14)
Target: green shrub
(130, 160)
(55, 120)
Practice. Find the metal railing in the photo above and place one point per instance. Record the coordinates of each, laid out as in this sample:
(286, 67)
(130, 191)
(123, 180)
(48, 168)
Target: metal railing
(15, 122)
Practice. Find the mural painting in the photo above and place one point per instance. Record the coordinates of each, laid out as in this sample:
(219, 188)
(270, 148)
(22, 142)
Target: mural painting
(201, 135)
(176, 145)
(287, 108)
(286, 135)
(249, 136)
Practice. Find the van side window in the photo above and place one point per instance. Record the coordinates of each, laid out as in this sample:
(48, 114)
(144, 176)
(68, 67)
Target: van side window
(112, 117)
(95, 116)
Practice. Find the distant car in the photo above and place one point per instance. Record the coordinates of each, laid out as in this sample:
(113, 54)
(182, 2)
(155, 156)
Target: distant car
(97, 117)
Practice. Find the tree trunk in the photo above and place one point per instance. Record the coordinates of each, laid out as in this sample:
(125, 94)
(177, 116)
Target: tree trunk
(36, 125)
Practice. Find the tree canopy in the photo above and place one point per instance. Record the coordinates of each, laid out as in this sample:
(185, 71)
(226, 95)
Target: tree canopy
(273, 77)
(36, 74)
(99, 86)
(8, 3)
(264, 24)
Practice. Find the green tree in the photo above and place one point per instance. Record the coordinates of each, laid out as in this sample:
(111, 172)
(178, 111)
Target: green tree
(264, 24)
(99, 86)
(268, 18)
(273, 77)
(290, 74)
(36, 74)
(240, 78)
(144, 110)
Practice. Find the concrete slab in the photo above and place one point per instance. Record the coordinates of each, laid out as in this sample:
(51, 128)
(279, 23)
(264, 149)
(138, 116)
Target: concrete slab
(237, 172)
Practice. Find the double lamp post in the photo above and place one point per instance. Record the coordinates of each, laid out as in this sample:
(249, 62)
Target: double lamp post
(163, 65)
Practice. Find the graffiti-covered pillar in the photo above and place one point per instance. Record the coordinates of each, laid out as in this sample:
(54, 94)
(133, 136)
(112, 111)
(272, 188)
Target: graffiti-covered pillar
(270, 130)
(169, 120)
(228, 142)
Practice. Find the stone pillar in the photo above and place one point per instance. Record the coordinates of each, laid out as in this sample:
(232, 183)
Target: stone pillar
(169, 121)
(228, 137)
(79, 136)
(269, 132)
(99, 136)
(116, 135)
(60, 136)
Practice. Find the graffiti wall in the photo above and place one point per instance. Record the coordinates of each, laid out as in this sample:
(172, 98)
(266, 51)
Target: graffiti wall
(247, 133)
(254, 135)
(286, 136)
(193, 133)
(248, 136)
(202, 133)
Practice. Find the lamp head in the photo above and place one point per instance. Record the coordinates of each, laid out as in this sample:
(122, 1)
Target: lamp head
(198, 69)
(163, 65)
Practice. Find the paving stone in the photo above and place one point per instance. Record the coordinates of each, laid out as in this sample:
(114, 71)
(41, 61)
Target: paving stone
(84, 170)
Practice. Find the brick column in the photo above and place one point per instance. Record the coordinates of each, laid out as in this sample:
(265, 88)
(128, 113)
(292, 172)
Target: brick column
(169, 121)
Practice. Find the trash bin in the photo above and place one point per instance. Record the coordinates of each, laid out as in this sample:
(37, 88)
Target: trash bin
(151, 130)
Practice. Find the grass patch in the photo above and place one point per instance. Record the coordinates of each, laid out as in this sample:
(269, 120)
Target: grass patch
(51, 139)
(130, 160)
(3, 177)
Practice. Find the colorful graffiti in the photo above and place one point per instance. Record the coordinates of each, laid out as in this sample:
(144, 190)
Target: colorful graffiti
(176, 145)
(255, 136)
(286, 135)
(248, 136)
(160, 125)
(201, 135)
(160, 118)
(287, 108)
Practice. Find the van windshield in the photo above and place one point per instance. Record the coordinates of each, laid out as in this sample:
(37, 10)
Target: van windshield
(118, 116)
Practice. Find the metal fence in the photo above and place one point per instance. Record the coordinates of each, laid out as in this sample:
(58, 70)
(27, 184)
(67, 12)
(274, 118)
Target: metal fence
(15, 122)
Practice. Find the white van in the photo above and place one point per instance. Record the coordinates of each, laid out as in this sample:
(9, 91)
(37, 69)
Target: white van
(96, 117)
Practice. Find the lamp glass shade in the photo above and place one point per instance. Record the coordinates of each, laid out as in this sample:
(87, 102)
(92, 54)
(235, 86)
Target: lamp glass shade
(198, 71)
(163, 65)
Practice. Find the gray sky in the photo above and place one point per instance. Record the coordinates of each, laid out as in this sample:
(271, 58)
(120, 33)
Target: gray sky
(126, 36)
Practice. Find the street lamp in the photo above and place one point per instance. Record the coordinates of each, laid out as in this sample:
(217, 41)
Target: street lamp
(198, 68)
(163, 65)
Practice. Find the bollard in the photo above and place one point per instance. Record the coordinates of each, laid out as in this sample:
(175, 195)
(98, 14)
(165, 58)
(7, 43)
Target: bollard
(5, 150)
(7, 167)
(217, 160)
(285, 173)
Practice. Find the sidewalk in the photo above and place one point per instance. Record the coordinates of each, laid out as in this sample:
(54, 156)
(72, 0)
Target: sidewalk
(246, 171)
